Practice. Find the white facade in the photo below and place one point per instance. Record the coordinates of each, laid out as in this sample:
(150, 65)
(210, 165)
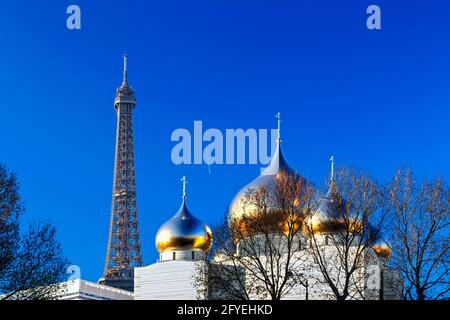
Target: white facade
(167, 280)
(85, 290)
(371, 281)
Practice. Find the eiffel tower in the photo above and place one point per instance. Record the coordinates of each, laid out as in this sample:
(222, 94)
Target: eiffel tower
(124, 246)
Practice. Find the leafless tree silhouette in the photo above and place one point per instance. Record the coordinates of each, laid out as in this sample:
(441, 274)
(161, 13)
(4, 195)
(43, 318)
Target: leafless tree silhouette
(420, 235)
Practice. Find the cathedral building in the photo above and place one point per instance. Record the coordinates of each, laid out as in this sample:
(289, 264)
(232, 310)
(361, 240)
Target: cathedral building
(184, 243)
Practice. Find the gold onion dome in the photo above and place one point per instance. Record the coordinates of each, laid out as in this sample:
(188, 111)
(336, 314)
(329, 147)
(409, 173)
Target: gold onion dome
(382, 249)
(242, 214)
(327, 217)
(332, 213)
(184, 231)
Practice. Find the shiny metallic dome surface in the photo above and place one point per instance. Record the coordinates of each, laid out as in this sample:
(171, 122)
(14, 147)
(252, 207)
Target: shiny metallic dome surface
(382, 248)
(331, 215)
(240, 210)
(184, 232)
(327, 217)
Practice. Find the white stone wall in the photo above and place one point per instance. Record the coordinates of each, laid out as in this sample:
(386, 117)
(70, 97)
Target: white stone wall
(305, 265)
(86, 290)
(168, 280)
(178, 280)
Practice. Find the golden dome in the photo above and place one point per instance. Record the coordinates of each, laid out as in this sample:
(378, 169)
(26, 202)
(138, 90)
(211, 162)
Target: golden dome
(242, 214)
(328, 218)
(382, 249)
(331, 214)
(184, 232)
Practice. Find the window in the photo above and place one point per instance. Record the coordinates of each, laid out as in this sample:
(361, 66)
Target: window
(193, 255)
(174, 255)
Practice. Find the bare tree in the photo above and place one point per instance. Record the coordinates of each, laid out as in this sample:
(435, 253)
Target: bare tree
(421, 235)
(38, 269)
(255, 254)
(342, 231)
(10, 209)
(30, 265)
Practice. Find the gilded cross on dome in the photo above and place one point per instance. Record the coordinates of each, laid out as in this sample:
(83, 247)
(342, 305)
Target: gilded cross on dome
(278, 116)
(184, 181)
(332, 167)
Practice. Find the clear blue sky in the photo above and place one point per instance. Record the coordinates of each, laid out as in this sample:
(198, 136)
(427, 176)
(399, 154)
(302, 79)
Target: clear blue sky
(374, 99)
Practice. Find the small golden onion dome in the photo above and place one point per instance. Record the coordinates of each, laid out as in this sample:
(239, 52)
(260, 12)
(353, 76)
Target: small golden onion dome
(329, 216)
(184, 231)
(242, 214)
(382, 249)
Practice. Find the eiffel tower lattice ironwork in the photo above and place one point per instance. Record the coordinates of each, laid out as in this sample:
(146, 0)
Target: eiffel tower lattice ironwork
(124, 246)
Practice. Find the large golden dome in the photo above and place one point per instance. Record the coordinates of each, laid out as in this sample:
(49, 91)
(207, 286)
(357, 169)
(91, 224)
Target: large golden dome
(277, 167)
(184, 232)
(242, 214)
